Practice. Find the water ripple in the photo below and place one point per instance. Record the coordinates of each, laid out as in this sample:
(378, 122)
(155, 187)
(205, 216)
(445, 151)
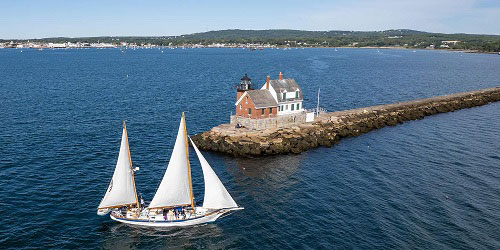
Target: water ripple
(424, 184)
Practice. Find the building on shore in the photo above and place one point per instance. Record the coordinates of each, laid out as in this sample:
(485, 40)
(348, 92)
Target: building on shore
(277, 103)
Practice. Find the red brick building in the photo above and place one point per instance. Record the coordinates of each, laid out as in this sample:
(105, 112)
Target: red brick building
(275, 98)
(255, 103)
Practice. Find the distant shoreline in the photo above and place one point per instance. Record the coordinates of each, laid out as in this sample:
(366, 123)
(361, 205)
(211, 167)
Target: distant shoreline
(260, 39)
(403, 48)
(250, 47)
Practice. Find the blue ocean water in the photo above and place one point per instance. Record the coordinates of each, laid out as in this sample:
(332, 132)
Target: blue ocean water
(428, 184)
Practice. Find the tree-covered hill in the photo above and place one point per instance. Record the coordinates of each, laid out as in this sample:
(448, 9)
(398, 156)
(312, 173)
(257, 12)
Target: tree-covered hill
(399, 37)
(284, 33)
(300, 38)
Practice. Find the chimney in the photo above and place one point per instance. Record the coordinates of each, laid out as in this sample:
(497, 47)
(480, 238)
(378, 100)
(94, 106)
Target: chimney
(268, 78)
(281, 76)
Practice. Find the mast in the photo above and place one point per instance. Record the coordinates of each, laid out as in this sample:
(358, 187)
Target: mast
(131, 168)
(188, 165)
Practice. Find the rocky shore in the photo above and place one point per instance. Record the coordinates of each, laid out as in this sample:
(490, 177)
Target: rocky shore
(330, 128)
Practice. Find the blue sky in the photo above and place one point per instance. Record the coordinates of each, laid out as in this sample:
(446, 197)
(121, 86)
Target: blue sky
(72, 18)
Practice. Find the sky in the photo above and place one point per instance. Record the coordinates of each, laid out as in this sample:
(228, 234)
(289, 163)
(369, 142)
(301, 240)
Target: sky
(25, 19)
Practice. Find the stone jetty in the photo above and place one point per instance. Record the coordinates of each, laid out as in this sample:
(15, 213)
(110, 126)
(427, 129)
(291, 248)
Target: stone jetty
(330, 128)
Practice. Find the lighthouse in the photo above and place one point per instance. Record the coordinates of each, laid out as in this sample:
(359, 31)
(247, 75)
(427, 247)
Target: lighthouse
(277, 103)
(245, 85)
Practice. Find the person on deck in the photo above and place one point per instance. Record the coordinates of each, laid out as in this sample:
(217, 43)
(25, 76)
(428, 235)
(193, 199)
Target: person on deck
(143, 205)
(170, 215)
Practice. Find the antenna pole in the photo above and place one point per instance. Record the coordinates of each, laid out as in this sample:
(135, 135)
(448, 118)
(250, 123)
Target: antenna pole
(317, 108)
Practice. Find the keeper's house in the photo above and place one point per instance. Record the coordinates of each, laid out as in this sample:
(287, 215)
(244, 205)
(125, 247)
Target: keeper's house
(276, 103)
(276, 97)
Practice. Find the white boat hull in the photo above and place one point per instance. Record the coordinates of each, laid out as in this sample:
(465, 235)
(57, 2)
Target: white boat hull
(160, 222)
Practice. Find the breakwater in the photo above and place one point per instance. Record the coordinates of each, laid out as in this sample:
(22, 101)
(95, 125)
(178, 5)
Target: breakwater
(330, 128)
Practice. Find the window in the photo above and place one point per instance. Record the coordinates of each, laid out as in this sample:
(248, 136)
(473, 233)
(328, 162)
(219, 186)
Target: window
(246, 100)
(262, 111)
(284, 96)
(249, 111)
(293, 105)
(298, 106)
(240, 106)
(286, 107)
(297, 94)
(270, 111)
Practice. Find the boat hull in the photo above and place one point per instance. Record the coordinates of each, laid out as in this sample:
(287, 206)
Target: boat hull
(207, 218)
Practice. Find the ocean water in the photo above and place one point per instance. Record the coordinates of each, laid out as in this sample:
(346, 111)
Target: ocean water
(427, 184)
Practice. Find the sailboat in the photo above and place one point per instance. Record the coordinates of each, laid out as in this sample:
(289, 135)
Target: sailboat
(173, 204)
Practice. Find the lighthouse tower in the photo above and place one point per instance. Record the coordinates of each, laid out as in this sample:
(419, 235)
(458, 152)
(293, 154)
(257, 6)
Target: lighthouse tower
(245, 84)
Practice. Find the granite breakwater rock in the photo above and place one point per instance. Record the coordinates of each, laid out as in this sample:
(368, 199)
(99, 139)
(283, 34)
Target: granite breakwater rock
(330, 128)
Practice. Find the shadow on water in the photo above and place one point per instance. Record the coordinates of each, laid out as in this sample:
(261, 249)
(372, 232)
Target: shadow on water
(279, 166)
(264, 177)
(121, 236)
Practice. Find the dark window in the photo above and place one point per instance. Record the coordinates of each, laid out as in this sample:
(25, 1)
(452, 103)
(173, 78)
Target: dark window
(292, 106)
(270, 111)
(249, 111)
(297, 94)
(262, 112)
(298, 106)
(284, 96)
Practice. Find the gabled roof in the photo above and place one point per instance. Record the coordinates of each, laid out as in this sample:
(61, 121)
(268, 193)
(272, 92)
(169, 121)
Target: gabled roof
(261, 98)
(288, 85)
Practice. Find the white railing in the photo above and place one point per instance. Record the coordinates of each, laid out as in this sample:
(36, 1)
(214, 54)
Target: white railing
(316, 111)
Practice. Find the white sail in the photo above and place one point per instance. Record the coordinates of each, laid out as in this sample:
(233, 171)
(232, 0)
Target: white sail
(174, 188)
(121, 190)
(216, 195)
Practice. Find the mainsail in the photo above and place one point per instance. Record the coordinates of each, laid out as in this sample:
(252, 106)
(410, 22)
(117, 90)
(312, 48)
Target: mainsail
(216, 195)
(121, 190)
(175, 187)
